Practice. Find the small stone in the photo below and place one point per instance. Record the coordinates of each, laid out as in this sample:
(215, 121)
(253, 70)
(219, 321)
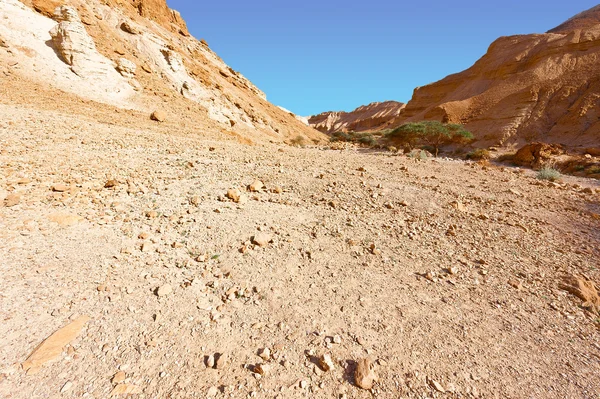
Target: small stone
(164, 290)
(118, 378)
(362, 169)
(151, 214)
(68, 385)
(303, 384)
(128, 27)
(337, 339)
(12, 200)
(111, 183)
(365, 376)
(262, 369)
(334, 204)
(265, 354)
(430, 276)
(195, 200)
(459, 206)
(236, 196)
(262, 239)
(210, 361)
(60, 188)
(515, 284)
(326, 362)
(221, 361)
(277, 190)
(158, 116)
(438, 387)
(125, 389)
(212, 392)
(256, 186)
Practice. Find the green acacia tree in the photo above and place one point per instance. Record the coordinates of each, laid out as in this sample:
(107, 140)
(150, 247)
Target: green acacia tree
(433, 133)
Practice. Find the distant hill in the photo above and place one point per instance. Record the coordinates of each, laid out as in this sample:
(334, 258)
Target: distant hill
(367, 117)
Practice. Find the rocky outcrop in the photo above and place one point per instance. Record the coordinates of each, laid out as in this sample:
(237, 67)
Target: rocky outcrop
(374, 116)
(158, 11)
(539, 87)
(136, 54)
(75, 46)
(536, 155)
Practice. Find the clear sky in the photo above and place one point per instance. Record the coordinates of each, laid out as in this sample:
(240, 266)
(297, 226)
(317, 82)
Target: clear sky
(319, 55)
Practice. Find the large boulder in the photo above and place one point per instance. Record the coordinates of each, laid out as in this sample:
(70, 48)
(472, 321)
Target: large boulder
(537, 155)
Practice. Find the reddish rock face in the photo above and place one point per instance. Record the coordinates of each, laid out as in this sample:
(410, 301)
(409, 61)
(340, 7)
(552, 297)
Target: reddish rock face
(539, 87)
(158, 11)
(374, 116)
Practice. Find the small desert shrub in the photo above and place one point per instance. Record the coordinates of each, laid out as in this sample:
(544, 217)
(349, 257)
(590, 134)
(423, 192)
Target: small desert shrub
(298, 140)
(418, 154)
(548, 173)
(479, 154)
(430, 133)
(594, 170)
(366, 139)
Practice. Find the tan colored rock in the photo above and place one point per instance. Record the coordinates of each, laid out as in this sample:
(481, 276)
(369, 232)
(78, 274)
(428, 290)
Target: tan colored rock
(111, 183)
(365, 376)
(76, 46)
(158, 116)
(130, 27)
(326, 362)
(221, 360)
(262, 369)
(53, 346)
(256, 186)
(12, 200)
(583, 289)
(234, 195)
(536, 155)
(262, 239)
(164, 290)
(126, 68)
(125, 389)
(65, 219)
(119, 377)
(265, 354)
(60, 188)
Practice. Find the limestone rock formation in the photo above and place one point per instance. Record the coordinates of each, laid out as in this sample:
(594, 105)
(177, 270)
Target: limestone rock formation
(539, 87)
(126, 68)
(176, 72)
(367, 117)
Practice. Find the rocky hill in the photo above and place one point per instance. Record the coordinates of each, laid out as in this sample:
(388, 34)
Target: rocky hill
(539, 87)
(135, 55)
(366, 117)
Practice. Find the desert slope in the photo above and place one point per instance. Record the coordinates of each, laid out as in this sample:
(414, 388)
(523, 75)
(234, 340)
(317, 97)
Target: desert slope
(527, 87)
(136, 55)
(363, 118)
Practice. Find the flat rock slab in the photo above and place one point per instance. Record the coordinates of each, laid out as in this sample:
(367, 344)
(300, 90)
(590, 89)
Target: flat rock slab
(53, 346)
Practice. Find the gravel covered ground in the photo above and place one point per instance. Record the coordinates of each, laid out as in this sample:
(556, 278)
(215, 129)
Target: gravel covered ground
(444, 273)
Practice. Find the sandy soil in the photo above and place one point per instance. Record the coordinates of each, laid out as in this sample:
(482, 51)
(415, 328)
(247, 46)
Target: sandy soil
(444, 272)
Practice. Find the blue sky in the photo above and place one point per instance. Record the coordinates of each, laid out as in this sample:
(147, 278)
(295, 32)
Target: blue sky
(314, 56)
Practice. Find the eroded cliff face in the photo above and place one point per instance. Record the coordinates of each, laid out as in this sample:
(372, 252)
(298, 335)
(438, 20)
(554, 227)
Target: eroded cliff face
(137, 54)
(365, 118)
(539, 87)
